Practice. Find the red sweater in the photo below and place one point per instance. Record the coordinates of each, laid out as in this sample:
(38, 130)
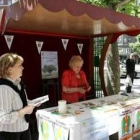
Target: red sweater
(69, 80)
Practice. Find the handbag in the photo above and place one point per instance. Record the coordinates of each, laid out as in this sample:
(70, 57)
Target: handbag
(128, 81)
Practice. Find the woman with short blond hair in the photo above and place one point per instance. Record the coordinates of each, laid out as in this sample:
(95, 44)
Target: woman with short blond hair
(14, 109)
(8, 60)
(75, 59)
(74, 82)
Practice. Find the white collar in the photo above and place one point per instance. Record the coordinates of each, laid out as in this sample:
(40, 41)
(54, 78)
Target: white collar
(14, 82)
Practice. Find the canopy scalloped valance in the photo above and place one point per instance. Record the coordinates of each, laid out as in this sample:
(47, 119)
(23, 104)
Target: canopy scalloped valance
(67, 17)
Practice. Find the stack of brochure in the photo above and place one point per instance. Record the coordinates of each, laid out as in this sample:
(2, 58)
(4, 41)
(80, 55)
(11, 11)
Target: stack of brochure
(38, 101)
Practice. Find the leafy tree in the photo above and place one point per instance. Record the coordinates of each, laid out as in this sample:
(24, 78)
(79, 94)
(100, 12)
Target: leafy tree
(123, 6)
(130, 7)
(136, 46)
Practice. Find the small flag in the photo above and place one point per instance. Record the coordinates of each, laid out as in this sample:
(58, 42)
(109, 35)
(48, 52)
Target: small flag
(39, 45)
(65, 43)
(9, 40)
(80, 47)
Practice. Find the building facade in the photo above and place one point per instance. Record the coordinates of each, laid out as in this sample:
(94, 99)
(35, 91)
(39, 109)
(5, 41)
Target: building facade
(123, 44)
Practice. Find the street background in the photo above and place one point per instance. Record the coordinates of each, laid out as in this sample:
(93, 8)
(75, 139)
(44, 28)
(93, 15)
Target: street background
(136, 84)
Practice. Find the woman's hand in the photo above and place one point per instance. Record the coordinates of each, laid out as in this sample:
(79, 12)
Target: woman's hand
(89, 88)
(26, 110)
(81, 90)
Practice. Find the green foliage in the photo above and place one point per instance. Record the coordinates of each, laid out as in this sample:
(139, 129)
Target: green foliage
(129, 8)
(86, 1)
(124, 6)
(136, 46)
(102, 3)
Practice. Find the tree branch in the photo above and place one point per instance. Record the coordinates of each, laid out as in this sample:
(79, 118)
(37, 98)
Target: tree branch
(122, 3)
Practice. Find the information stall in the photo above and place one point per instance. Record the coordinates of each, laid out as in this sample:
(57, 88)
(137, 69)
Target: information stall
(92, 119)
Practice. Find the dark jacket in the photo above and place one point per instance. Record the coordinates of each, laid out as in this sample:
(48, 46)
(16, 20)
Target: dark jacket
(130, 66)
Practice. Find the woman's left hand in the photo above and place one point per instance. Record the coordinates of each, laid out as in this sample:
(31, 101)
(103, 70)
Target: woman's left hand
(89, 88)
(81, 90)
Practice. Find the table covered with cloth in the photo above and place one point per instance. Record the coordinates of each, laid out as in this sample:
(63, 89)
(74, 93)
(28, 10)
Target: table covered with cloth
(91, 119)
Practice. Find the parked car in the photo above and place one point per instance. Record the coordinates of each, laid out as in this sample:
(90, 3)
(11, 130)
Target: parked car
(122, 69)
(135, 74)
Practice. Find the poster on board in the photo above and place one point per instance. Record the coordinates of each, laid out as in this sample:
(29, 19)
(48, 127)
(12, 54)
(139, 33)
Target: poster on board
(45, 127)
(125, 123)
(136, 118)
(49, 64)
(52, 130)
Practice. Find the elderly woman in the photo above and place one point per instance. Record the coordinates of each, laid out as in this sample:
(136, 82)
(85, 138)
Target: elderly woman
(74, 82)
(14, 111)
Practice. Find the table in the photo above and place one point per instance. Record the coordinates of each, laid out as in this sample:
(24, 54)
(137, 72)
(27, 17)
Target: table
(88, 119)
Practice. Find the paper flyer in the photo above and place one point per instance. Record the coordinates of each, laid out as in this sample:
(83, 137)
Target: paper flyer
(60, 132)
(94, 128)
(52, 130)
(38, 101)
(136, 117)
(45, 129)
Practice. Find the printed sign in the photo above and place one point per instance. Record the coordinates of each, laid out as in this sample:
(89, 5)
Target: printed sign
(49, 64)
(125, 123)
(49, 130)
(92, 128)
(45, 129)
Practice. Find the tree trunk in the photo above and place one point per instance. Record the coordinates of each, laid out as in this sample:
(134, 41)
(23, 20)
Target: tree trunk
(113, 70)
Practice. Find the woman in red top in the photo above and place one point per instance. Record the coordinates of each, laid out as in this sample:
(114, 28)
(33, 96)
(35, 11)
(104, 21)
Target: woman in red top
(74, 82)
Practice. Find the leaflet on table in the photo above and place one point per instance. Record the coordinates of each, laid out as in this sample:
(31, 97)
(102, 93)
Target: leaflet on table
(39, 100)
